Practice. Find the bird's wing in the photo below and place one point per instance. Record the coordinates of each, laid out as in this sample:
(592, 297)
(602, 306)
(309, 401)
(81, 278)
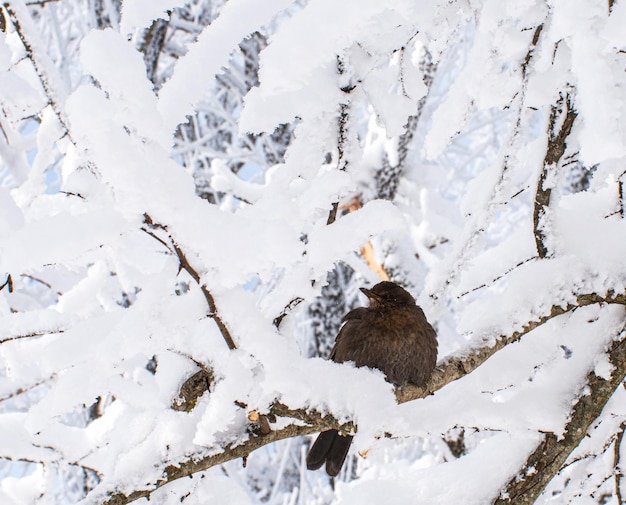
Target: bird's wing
(348, 336)
(357, 313)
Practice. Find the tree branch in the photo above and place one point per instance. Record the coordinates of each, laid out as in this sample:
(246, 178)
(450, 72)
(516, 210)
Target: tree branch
(342, 134)
(185, 265)
(549, 456)
(188, 467)
(311, 421)
(152, 47)
(51, 89)
(454, 368)
(557, 142)
(617, 463)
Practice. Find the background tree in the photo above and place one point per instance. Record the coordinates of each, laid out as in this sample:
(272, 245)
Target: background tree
(192, 192)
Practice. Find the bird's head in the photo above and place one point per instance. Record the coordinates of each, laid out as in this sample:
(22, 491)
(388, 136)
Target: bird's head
(388, 294)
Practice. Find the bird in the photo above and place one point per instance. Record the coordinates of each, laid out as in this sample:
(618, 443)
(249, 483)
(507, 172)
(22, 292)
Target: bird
(391, 335)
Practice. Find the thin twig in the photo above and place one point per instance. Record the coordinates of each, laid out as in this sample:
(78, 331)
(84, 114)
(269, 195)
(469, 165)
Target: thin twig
(213, 313)
(51, 93)
(23, 390)
(518, 101)
(620, 194)
(185, 265)
(523, 262)
(31, 335)
(616, 462)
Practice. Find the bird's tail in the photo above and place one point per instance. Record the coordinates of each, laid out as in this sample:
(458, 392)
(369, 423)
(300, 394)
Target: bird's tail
(329, 447)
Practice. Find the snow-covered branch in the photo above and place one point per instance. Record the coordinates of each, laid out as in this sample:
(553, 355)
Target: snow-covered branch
(303, 421)
(559, 129)
(552, 452)
(186, 265)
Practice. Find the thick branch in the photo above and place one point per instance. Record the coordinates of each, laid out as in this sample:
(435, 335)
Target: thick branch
(312, 421)
(551, 453)
(454, 368)
(186, 468)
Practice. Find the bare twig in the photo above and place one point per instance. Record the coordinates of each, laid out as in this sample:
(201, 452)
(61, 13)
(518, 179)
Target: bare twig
(288, 308)
(42, 282)
(531, 50)
(185, 265)
(42, 2)
(620, 195)
(31, 335)
(21, 391)
(523, 262)
(157, 238)
(213, 313)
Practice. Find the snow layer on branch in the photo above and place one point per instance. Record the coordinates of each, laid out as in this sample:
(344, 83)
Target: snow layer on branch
(311, 40)
(115, 63)
(471, 480)
(58, 238)
(597, 73)
(138, 14)
(196, 70)
(586, 226)
(350, 232)
(213, 487)
(146, 180)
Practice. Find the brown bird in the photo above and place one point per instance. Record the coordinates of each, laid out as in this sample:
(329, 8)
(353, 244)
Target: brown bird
(392, 335)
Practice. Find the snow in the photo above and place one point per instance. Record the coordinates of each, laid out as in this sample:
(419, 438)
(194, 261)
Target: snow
(15, 491)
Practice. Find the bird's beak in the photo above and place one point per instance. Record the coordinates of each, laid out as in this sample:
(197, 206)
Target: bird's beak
(370, 294)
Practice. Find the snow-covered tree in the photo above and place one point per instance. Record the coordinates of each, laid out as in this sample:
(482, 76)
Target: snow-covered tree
(192, 192)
